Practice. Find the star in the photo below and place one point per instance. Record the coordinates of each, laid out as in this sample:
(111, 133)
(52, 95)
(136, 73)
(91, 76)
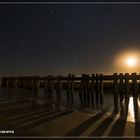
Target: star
(36, 22)
(21, 41)
(52, 13)
(68, 23)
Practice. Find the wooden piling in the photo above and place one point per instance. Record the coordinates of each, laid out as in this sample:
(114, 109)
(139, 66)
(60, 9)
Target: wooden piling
(58, 91)
(88, 90)
(126, 93)
(115, 82)
(92, 90)
(4, 82)
(121, 88)
(84, 89)
(70, 89)
(81, 91)
(97, 90)
(101, 89)
(135, 96)
(49, 89)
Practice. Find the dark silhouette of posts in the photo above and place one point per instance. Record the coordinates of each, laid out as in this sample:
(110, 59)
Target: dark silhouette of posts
(88, 90)
(126, 93)
(70, 89)
(92, 90)
(121, 88)
(11, 82)
(84, 91)
(135, 96)
(101, 89)
(97, 90)
(81, 91)
(35, 83)
(90, 87)
(49, 88)
(58, 91)
(115, 82)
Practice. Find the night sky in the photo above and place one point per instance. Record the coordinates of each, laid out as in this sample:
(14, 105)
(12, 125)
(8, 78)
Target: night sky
(42, 39)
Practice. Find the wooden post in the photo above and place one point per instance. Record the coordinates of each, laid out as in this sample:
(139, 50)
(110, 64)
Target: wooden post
(92, 90)
(81, 91)
(4, 82)
(135, 96)
(88, 90)
(7, 83)
(121, 90)
(49, 87)
(15, 83)
(126, 93)
(101, 89)
(30, 83)
(68, 89)
(18, 82)
(115, 81)
(84, 89)
(46, 83)
(58, 91)
(97, 89)
(24, 82)
(72, 89)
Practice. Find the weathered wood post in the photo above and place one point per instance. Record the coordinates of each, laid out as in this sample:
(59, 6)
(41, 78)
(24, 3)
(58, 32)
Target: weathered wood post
(70, 89)
(49, 88)
(18, 82)
(15, 82)
(115, 82)
(4, 82)
(58, 91)
(37, 83)
(7, 83)
(97, 90)
(92, 90)
(46, 82)
(121, 88)
(81, 91)
(29, 83)
(88, 89)
(135, 95)
(101, 89)
(84, 89)
(126, 93)
(23, 82)
(122, 96)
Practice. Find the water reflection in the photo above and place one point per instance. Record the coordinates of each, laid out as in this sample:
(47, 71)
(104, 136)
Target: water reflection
(131, 116)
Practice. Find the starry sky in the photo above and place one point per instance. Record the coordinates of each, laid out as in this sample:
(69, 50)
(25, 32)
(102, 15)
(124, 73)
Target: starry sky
(42, 39)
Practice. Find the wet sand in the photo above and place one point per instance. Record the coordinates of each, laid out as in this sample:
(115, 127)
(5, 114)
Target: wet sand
(29, 117)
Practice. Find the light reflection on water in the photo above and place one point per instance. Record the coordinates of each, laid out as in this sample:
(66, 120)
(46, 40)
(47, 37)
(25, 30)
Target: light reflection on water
(131, 116)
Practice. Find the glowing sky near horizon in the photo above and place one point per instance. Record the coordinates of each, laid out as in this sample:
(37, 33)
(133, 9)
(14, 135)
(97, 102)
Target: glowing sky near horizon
(42, 39)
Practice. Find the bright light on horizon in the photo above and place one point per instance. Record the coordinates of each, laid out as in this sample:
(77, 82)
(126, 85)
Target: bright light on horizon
(127, 61)
(131, 61)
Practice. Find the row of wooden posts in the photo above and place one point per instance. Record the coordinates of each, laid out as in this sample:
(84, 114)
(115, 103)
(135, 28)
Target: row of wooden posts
(90, 87)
